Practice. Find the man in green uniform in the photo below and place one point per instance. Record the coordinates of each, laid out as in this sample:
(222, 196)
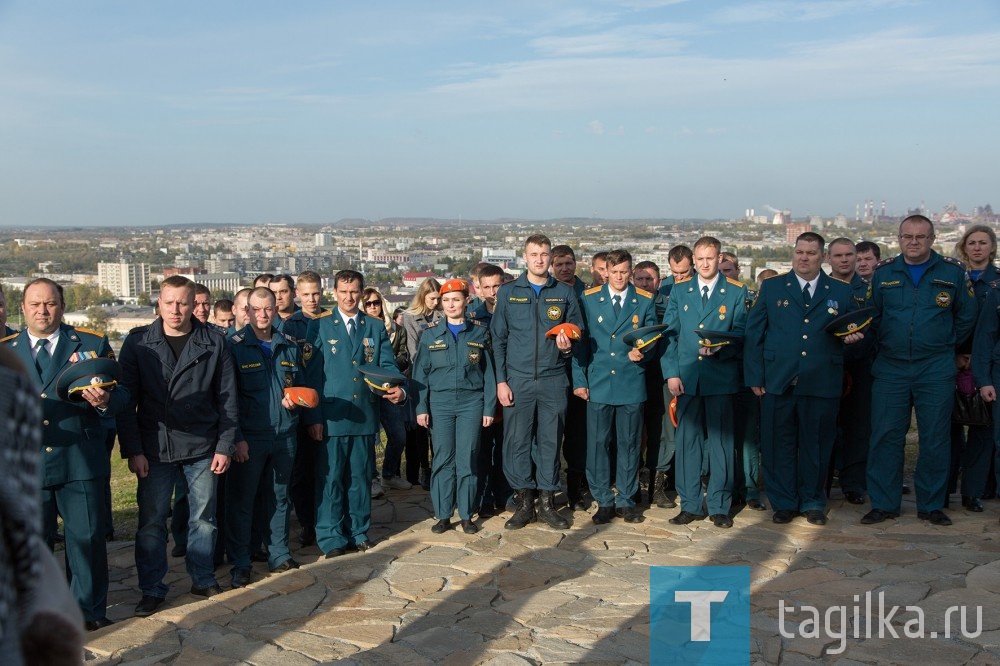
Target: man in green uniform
(347, 420)
(74, 461)
(704, 379)
(609, 375)
(795, 367)
(532, 381)
(925, 307)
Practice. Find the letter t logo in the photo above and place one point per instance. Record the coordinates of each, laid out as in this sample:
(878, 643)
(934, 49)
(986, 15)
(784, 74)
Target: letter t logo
(701, 610)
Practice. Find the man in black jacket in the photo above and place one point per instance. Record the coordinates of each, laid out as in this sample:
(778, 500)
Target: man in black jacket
(182, 419)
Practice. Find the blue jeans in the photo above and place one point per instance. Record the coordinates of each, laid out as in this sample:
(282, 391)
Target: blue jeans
(153, 496)
(393, 419)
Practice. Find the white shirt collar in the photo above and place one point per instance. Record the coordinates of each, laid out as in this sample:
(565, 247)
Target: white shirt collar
(711, 284)
(53, 341)
(812, 283)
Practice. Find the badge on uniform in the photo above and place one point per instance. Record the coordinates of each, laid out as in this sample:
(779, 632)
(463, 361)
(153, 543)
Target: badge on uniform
(722, 312)
(554, 312)
(600, 318)
(333, 346)
(635, 322)
(369, 346)
(943, 299)
(685, 308)
(289, 379)
(82, 356)
(307, 351)
(832, 307)
(474, 356)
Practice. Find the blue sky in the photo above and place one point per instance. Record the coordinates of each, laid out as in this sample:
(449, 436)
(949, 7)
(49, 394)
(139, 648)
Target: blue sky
(144, 112)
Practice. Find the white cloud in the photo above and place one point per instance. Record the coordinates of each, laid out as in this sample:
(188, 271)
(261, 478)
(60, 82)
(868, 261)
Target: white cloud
(595, 127)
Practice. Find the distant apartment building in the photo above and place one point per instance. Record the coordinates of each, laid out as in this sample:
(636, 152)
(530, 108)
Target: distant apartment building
(501, 257)
(413, 279)
(229, 281)
(124, 280)
(794, 230)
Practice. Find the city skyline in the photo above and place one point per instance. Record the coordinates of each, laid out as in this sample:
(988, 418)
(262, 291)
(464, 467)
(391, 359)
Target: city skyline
(126, 114)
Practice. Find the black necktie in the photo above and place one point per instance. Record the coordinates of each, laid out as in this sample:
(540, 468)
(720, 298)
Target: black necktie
(351, 331)
(42, 356)
(616, 303)
(805, 293)
(704, 294)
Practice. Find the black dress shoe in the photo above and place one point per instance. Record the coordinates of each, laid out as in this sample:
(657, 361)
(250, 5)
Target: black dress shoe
(241, 578)
(685, 517)
(721, 520)
(469, 527)
(148, 605)
(307, 536)
(364, 546)
(179, 550)
(94, 625)
(972, 504)
(854, 497)
(630, 514)
(441, 526)
(756, 505)
(935, 517)
(877, 516)
(207, 592)
(815, 517)
(259, 556)
(334, 552)
(603, 515)
(782, 516)
(287, 565)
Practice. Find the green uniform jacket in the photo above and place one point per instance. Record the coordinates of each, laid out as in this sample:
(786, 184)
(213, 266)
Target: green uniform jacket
(985, 347)
(929, 320)
(445, 365)
(725, 310)
(785, 340)
(520, 322)
(347, 406)
(72, 433)
(600, 362)
(262, 380)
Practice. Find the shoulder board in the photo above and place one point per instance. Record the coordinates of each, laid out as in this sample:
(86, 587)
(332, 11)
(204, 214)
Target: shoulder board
(324, 314)
(690, 277)
(290, 338)
(592, 290)
(734, 282)
(643, 292)
(14, 335)
(767, 278)
(837, 279)
(236, 337)
(995, 284)
(956, 262)
(88, 332)
(885, 262)
(476, 322)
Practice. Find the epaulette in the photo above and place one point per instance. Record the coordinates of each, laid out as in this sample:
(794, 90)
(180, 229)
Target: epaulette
(885, 262)
(643, 292)
(839, 280)
(957, 262)
(476, 322)
(88, 331)
(236, 337)
(291, 339)
(733, 282)
(689, 277)
(592, 290)
(14, 335)
(324, 314)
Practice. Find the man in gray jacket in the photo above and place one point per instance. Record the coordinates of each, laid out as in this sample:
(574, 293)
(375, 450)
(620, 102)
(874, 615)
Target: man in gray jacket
(182, 419)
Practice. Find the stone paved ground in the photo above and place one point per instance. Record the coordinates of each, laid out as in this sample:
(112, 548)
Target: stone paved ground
(541, 596)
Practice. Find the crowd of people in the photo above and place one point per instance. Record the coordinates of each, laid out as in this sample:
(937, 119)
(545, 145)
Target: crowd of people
(684, 384)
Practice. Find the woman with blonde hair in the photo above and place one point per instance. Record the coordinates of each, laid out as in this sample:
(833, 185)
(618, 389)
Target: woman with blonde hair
(392, 417)
(423, 313)
(973, 452)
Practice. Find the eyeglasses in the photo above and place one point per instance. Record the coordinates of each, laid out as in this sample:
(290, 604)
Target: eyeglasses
(910, 237)
(370, 304)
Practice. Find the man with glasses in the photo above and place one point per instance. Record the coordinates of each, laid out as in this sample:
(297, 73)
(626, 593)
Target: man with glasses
(925, 307)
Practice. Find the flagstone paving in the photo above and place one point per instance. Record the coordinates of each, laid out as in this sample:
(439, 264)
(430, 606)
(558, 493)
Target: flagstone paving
(542, 596)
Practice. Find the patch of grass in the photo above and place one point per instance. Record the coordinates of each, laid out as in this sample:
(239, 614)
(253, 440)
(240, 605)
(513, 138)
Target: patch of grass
(123, 504)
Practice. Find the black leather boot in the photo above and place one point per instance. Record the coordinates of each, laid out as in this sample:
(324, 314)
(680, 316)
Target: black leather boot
(525, 511)
(547, 511)
(660, 497)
